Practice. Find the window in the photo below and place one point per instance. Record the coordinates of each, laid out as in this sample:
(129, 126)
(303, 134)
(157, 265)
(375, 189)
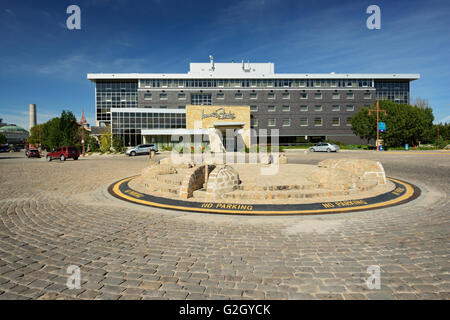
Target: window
(254, 108)
(318, 95)
(335, 121)
(253, 95)
(303, 121)
(349, 83)
(163, 96)
(303, 96)
(253, 122)
(181, 96)
(316, 83)
(302, 83)
(201, 99)
(286, 95)
(348, 121)
(163, 107)
(367, 95)
(220, 96)
(286, 108)
(148, 96)
(271, 108)
(238, 95)
(336, 95)
(336, 108)
(318, 108)
(271, 122)
(350, 95)
(350, 107)
(181, 107)
(286, 122)
(271, 95)
(303, 108)
(318, 121)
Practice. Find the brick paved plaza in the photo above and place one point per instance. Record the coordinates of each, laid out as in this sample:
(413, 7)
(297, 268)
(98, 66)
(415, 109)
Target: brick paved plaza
(53, 215)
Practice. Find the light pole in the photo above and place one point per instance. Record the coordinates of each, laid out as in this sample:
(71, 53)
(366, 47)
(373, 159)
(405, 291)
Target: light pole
(378, 127)
(82, 122)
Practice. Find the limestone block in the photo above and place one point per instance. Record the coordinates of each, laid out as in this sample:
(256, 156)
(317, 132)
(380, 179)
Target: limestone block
(185, 163)
(193, 180)
(366, 170)
(334, 179)
(283, 159)
(154, 171)
(265, 159)
(223, 179)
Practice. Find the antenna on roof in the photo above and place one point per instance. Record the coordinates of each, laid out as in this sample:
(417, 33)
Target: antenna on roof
(211, 59)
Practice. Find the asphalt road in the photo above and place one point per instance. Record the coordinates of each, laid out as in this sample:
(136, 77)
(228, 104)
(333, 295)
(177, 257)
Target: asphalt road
(55, 215)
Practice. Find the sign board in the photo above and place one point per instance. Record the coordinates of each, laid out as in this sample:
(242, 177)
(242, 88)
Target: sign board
(382, 126)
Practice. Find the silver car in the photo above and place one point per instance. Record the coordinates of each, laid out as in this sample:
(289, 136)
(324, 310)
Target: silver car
(141, 149)
(325, 147)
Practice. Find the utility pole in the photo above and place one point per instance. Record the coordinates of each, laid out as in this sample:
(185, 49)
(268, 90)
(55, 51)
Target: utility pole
(378, 127)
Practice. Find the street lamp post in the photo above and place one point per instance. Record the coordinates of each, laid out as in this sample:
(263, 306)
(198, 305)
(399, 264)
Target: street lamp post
(82, 123)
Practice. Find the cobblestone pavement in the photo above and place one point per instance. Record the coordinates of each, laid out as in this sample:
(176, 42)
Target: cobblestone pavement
(53, 215)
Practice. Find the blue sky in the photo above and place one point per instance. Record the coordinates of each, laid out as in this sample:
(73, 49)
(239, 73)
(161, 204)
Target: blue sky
(43, 62)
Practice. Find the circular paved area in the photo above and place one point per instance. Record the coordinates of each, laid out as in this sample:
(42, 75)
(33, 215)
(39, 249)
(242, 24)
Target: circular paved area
(401, 192)
(53, 215)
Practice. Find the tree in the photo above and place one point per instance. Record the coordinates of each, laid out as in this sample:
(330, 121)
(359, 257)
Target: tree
(404, 124)
(421, 103)
(57, 132)
(3, 139)
(35, 134)
(118, 144)
(364, 125)
(105, 140)
(91, 143)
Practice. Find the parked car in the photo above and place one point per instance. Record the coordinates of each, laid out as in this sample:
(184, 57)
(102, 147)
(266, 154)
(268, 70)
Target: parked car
(325, 147)
(63, 153)
(5, 148)
(33, 153)
(141, 149)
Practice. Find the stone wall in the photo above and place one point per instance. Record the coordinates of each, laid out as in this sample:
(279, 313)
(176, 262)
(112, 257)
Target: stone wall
(194, 180)
(223, 179)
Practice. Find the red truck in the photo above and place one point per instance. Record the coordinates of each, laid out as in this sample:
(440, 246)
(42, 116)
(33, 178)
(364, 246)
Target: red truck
(63, 153)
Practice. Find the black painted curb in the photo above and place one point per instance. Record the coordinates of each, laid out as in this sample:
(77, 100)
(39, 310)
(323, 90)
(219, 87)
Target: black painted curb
(404, 192)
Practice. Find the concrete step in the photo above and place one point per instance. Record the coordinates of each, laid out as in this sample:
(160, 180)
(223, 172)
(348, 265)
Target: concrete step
(283, 194)
(163, 188)
(172, 179)
(260, 187)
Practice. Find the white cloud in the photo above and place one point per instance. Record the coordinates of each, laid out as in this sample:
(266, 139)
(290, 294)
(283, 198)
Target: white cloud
(445, 120)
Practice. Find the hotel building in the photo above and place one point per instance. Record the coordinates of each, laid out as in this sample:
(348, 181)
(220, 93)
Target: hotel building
(151, 107)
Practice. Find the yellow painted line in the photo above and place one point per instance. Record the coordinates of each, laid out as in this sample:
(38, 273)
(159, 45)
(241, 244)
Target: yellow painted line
(409, 192)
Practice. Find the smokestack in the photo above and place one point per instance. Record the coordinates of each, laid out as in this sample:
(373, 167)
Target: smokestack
(32, 115)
